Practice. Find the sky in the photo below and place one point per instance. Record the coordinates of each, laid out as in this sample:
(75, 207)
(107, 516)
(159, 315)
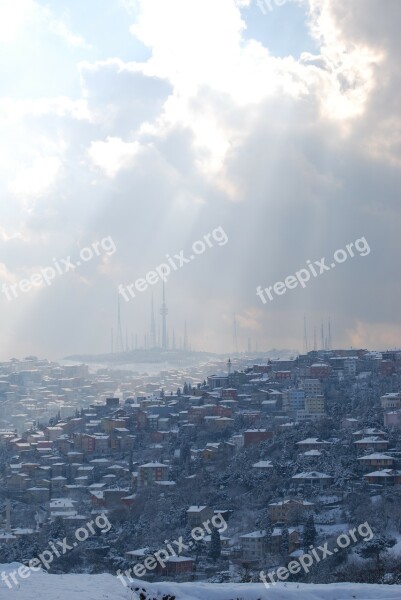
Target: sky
(144, 125)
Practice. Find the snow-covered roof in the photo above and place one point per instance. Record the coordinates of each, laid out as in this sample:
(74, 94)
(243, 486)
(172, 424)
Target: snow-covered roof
(376, 456)
(62, 503)
(196, 509)
(371, 440)
(263, 464)
(254, 534)
(312, 475)
(382, 473)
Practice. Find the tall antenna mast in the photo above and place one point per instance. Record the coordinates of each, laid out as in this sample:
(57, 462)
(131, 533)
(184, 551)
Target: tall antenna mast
(119, 340)
(185, 337)
(305, 337)
(164, 313)
(235, 338)
(329, 339)
(152, 326)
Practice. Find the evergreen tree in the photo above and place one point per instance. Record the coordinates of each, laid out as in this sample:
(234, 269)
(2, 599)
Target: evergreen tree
(215, 545)
(309, 533)
(285, 542)
(265, 524)
(376, 547)
(185, 453)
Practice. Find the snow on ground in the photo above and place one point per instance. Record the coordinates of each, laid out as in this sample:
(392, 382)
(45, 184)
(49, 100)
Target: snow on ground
(42, 586)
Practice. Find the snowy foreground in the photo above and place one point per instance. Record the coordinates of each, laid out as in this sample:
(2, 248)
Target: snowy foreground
(42, 586)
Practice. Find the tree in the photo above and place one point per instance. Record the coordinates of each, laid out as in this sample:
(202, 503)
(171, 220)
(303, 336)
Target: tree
(309, 533)
(265, 524)
(285, 542)
(376, 547)
(215, 544)
(185, 453)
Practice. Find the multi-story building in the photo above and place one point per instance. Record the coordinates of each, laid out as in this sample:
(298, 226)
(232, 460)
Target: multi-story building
(294, 399)
(320, 371)
(377, 460)
(287, 510)
(277, 537)
(312, 387)
(197, 515)
(391, 401)
(255, 436)
(315, 404)
(152, 472)
(392, 419)
(253, 545)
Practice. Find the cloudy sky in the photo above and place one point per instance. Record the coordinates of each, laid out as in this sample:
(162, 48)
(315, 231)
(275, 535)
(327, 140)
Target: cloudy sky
(155, 122)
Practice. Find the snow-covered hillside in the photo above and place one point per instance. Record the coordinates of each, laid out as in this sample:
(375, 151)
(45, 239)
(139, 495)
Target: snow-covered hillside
(42, 586)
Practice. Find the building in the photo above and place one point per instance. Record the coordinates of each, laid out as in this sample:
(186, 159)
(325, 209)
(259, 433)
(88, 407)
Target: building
(263, 465)
(314, 478)
(391, 401)
(311, 387)
(253, 545)
(152, 472)
(392, 419)
(177, 565)
(312, 444)
(373, 443)
(382, 477)
(197, 515)
(315, 404)
(256, 436)
(288, 510)
(376, 460)
(320, 371)
(349, 423)
(276, 540)
(217, 381)
(293, 399)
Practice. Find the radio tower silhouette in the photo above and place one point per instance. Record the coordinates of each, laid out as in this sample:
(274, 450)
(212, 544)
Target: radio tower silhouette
(235, 338)
(164, 313)
(152, 327)
(119, 336)
(305, 337)
(329, 337)
(185, 337)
